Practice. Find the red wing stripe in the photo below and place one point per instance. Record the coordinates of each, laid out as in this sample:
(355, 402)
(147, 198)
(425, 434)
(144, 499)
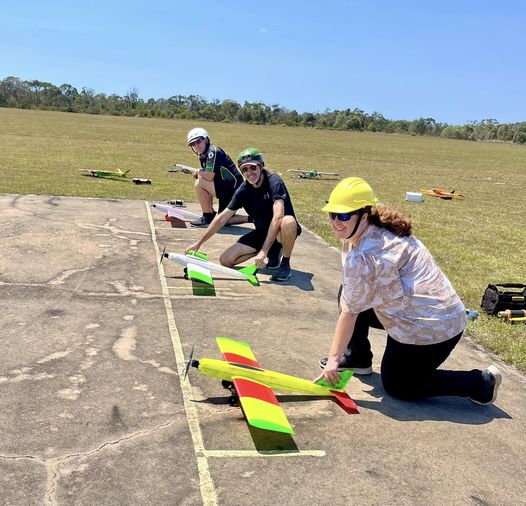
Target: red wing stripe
(238, 359)
(247, 388)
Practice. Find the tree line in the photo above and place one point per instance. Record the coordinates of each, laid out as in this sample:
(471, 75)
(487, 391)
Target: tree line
(35, 94)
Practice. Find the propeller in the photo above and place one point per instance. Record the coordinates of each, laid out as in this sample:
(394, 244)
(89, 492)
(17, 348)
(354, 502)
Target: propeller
(162, 255)
(189, 361)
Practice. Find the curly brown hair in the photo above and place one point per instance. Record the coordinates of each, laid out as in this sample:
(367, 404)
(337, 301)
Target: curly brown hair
(386, 217)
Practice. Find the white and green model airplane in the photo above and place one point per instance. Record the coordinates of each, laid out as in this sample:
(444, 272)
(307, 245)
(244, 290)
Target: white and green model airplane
(199, 269)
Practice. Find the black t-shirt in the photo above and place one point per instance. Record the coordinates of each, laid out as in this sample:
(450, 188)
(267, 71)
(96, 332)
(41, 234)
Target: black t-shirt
(258, 202)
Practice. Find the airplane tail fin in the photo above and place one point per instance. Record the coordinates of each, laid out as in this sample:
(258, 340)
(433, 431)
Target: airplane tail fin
(126, 171)
(339, 393)
(343, 399)
(250, 272)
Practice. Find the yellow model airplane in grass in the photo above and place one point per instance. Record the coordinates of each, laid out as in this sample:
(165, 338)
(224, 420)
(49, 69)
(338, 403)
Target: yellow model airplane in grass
(106, 173)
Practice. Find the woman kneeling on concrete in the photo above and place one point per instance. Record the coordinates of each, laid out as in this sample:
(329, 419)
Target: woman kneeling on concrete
(391, 282)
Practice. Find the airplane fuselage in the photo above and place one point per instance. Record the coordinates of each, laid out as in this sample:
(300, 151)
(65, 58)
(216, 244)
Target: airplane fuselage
(223, 370)
(184, 260)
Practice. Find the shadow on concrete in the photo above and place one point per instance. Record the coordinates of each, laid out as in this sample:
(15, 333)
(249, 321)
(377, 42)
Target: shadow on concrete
(271, 442)
(234, 230)
(267, 441)
(300, 279)
(450, 409)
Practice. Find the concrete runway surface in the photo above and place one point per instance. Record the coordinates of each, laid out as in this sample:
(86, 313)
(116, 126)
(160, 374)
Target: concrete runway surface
(94, 408)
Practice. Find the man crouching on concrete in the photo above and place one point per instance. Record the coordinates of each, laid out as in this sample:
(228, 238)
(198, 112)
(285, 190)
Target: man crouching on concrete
(264, 197)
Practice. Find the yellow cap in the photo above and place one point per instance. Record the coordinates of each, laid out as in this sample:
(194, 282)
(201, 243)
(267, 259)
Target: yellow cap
(349, 195)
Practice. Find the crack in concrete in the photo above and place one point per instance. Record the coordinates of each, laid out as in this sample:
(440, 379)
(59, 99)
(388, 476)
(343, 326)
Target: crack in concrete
(53, 465)
(23, 457)
(123, 293)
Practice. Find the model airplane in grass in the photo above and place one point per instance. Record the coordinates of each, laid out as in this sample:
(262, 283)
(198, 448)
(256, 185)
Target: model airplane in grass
(198, 268)
(312, 174)
(186, 169)
(175, 212)
(106, 173)
(439, 192)
(253, 386)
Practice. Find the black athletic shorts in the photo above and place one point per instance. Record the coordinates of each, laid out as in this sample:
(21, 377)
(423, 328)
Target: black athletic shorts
(256, 238)
(223, 203)
(224, 194)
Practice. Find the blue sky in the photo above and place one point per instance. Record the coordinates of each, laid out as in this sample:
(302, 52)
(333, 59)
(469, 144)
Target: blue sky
(454, 61)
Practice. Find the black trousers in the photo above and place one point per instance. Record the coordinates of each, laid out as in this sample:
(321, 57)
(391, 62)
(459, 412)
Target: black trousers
(411, 371)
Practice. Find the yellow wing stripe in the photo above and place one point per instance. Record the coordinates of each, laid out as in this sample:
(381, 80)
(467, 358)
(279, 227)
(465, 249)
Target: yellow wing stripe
(266, 416)
(227, 345)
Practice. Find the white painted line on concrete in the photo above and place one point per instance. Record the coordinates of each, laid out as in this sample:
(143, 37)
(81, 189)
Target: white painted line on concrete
(206, 484)
(263, 453)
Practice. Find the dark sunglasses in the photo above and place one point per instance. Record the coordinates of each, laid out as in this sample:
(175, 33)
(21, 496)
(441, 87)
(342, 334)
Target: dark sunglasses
(342, 216)
(251, 168)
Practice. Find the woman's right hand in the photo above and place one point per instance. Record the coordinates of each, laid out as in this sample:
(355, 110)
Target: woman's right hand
(330, 372)
(195, 247)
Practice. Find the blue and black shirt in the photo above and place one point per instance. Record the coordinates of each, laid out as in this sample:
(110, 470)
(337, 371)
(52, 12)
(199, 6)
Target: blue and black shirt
(227, 178)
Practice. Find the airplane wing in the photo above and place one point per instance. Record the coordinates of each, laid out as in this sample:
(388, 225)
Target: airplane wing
(199, 273)
(176, 212)
(185, 169)
(439, 192)
(236, 352)
(181, 214)
(261, 408)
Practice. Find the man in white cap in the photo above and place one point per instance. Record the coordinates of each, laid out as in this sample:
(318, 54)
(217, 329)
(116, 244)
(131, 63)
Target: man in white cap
(218, 177)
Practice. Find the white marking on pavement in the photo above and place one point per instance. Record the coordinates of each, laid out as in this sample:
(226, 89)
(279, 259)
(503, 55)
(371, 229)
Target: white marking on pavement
(264, 453)
(206, 484)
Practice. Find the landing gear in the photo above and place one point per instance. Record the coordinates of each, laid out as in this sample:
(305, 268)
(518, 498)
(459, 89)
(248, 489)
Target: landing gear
(233, 399)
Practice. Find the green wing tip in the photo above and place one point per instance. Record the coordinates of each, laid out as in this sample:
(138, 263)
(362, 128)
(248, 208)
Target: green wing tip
(263, 424)
(230, 340)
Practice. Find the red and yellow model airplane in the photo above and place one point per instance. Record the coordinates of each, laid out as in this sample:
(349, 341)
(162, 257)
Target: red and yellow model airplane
(252, 386)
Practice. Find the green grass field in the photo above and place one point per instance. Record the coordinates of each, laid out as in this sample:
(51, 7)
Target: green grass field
(476, 241)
